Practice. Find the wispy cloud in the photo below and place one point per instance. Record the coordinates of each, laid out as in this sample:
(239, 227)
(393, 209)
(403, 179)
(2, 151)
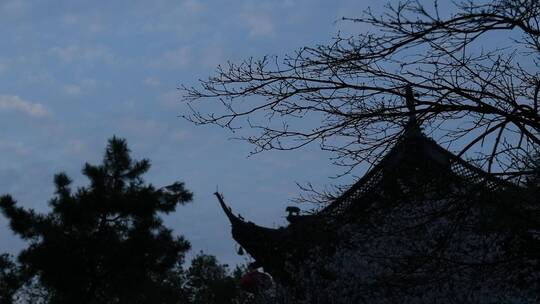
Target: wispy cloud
(174, 59)
(16, 103)
(152, 82)
(141, 127)
(79, 88)
(74, 52)
(180, 17)
(91, 23)
(72, 89)
(179, 135)
(3, 66)
(17, 148)
(260, 25)
(170, 98)
(78, 148)
(259, 17)
(13, 8)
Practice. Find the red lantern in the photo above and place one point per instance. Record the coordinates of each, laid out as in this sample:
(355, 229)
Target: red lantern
(255, 281)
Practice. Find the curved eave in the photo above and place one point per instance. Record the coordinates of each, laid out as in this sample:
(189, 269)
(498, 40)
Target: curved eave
(260, 242)
(228, 212)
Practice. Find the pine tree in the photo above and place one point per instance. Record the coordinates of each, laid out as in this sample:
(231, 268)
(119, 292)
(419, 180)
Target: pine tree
(105, 242)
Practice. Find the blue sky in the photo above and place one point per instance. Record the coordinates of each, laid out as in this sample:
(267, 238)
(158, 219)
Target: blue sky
(73, 73)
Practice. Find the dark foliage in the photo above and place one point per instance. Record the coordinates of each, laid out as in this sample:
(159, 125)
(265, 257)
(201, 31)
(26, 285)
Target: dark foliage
(105, 242)
(210, 282)
(10, 279)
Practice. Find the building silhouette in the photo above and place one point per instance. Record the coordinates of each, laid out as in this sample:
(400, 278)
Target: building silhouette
(422, 226)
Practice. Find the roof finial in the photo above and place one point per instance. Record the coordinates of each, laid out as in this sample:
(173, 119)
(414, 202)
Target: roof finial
(411, 106)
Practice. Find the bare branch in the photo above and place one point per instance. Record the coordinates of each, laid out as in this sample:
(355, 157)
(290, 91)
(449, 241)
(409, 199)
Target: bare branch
(349, 96)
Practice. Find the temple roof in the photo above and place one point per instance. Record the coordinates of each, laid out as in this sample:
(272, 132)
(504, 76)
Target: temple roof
(269, 247)
(415, 146)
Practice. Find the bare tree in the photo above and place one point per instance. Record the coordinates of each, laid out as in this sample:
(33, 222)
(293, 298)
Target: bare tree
(474, 73)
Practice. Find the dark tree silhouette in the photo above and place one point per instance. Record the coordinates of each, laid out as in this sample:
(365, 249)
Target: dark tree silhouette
(210, 282)
(10, 279)
(474, 73)
(105, 242)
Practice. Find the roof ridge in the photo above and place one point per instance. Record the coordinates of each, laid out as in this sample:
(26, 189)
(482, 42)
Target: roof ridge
(457, 165)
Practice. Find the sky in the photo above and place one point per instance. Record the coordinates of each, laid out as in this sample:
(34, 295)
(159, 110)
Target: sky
(75, 73)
